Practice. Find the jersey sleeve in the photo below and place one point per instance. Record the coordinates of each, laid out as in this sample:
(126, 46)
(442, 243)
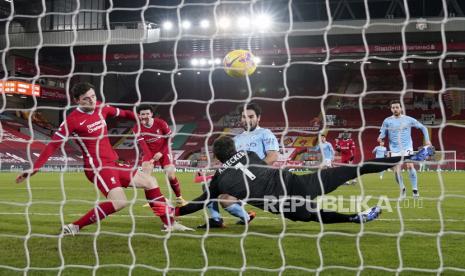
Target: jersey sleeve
(269, 141)
(117, 112)
(143, 147)
(415, 123)
(58, 138)
(383, 130)
(165, 129)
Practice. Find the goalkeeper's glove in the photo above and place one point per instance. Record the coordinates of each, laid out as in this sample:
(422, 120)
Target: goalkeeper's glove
(199, 178)
(162, 209)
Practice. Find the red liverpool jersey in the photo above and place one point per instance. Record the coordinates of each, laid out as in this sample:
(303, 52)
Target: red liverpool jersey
(89, 131)
(154, 138)
(346, 147)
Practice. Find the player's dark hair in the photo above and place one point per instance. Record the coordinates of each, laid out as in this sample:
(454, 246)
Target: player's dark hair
(81, 88)
(251, 106)
(394, 102)
(144, 107)
(224, 148)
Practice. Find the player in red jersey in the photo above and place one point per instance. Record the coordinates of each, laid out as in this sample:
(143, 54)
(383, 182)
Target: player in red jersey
(86, 125)
(152, 136)
(346, 147)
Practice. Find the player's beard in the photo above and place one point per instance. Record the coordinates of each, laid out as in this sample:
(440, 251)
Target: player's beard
(250, 126)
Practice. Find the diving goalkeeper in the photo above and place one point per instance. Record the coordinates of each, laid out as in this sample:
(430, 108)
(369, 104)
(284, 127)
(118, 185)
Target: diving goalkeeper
(245, 176)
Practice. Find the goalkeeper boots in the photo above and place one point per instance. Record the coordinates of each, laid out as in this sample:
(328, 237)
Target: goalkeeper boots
(212, 224)
(252, 215)
(368, 215)
(423, 153)
(70, 230)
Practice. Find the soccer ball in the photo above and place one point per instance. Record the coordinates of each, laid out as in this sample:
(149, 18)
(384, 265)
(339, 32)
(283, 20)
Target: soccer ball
(239, 63)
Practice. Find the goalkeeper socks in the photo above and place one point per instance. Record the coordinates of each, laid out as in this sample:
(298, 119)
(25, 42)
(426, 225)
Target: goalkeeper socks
(399, 179)
(214, 210)
(412, 173)
(153, 195)
(237, 210)
(175, 186)
(102, 210)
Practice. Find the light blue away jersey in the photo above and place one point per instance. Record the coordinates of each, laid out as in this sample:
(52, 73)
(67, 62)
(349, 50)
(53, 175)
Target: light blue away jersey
(380, 151)
(327, 149)
(399, 131)
(260, 140)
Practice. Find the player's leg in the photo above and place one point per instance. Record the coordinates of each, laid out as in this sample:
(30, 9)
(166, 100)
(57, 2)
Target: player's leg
(399, 178)
(381, 175)
(327, 180)
(412, 173)
(144, 180)
(302, 213)
(345, 161)
(354, 180)
(215, 220)
(398, 175)
(107, 180)
(235, 207)
(170, 172)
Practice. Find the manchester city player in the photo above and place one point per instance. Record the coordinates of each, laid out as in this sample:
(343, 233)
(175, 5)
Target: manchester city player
(256, 139)
(398, 128)
(380, 151)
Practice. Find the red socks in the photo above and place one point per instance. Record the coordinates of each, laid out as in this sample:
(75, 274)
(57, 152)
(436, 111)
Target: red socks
(175, 186)
(103, 210)
(155, 195)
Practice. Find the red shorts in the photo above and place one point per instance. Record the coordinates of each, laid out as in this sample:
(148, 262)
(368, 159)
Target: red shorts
(345, 159)
(111, 176)
(164, 161)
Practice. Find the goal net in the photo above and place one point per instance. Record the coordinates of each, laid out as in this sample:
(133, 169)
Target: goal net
(322, 68)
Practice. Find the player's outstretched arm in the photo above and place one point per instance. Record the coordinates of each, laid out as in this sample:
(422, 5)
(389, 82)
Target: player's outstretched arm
(120, 113)
(43, 157)
(271, 157)
(163, 209)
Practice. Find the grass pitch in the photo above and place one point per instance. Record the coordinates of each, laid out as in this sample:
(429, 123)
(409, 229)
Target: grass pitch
(422, 238)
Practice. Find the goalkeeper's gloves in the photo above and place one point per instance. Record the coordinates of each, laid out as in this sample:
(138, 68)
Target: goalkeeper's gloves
(162, 209)
(199, 178)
